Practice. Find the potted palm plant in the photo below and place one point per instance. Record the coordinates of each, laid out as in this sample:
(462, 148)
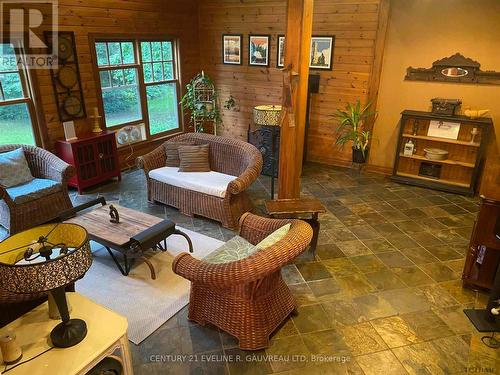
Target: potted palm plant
(351, 129)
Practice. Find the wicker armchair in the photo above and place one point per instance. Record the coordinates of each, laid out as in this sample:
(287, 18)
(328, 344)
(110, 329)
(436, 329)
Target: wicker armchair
(17, 217)
(229, 156)
(247, 298)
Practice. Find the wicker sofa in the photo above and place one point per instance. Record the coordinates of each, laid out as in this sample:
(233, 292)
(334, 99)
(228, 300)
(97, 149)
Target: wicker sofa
(227, 156)
(16, 214)
(246, 298)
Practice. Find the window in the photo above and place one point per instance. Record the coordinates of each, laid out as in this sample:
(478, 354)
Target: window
(16, 105)
(118, 73)
(139, 83)
(161, 87)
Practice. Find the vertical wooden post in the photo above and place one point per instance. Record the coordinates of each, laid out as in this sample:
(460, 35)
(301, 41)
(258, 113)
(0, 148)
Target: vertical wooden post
(297, 57)
(374, 82)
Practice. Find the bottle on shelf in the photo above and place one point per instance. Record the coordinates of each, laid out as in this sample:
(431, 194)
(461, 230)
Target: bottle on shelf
(409, 148)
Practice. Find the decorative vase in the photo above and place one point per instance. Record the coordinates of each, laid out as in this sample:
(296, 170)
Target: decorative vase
(358, 157)
(474, 132)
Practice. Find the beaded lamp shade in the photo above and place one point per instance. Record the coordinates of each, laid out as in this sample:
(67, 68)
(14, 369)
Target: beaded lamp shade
(267, 115)
(44, 258)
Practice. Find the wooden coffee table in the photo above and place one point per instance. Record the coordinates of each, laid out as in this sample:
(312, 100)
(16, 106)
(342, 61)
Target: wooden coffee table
(293, 208)
(118, 236)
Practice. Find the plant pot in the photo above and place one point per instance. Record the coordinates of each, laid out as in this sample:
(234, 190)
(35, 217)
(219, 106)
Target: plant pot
(358, 157)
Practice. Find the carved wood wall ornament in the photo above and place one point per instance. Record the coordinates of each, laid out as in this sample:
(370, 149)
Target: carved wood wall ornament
(66, 80)
(456, 68)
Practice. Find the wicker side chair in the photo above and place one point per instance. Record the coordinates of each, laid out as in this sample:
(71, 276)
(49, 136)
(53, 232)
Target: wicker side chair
(246, 298)
(16, 217)
(228, 156)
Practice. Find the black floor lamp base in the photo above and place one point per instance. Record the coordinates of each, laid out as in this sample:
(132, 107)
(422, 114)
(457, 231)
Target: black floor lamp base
(68, 333)
(481, 320)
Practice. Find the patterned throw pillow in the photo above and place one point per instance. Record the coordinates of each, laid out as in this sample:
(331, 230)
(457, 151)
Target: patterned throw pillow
(274, 237)
(194, 158)
(172, 151)
(236, 248)
(14, 169)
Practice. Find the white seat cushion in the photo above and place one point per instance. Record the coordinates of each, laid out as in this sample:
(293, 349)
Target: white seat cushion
(211, 183)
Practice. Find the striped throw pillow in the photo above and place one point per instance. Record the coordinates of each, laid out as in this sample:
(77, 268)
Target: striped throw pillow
(172, 151)
(194, 158)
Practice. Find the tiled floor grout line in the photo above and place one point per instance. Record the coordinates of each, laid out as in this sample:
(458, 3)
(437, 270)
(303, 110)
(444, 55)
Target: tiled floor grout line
(397, 358)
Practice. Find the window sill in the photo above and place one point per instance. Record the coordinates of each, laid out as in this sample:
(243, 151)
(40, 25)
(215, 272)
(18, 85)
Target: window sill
(156, 140)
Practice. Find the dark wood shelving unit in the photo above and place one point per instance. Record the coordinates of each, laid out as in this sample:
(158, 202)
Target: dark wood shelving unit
(460, 171)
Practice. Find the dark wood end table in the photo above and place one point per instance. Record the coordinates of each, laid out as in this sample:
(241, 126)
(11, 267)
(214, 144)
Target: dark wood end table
(295, 208)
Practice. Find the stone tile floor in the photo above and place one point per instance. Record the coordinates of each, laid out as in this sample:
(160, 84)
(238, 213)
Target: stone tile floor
(384, 295)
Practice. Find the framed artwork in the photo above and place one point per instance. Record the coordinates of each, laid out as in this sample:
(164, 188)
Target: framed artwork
(322, 52)
(258, 50)
(69, 130)
(443, 129)
(231, 49)
(280, 57)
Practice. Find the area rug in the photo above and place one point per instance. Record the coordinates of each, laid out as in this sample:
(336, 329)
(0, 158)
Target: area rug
(146, 303)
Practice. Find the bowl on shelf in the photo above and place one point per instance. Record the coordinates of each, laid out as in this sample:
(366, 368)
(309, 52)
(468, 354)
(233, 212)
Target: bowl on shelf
(435, 154)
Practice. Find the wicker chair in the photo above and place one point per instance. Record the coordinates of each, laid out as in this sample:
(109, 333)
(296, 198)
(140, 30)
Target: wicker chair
(229, 156)
(247, 298)
(18, 217)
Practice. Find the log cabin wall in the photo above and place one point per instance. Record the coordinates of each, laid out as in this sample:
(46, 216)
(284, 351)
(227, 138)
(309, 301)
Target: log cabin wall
(354, 24)
(179, 18)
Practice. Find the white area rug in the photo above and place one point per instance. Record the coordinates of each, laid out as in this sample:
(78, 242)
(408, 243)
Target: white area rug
(146, 303)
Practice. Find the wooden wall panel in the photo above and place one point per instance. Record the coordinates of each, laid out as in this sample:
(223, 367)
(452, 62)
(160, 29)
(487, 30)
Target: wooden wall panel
(199, 25)
(176, 17)
(354, 24)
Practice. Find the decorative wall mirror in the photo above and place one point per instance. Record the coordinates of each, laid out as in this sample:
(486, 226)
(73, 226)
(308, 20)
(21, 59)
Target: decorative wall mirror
(456, 68)
(454, 72)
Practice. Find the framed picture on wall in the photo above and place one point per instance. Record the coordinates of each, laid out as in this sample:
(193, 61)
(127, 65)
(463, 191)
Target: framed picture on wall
(258, 50)
(231, 49)
(280, 59)
(322, 52)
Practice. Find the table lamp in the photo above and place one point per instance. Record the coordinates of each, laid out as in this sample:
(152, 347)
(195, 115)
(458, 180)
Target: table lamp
(269, 116)
(46, 259)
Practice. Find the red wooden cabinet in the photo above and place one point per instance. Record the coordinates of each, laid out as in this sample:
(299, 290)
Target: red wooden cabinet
(94, 157)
